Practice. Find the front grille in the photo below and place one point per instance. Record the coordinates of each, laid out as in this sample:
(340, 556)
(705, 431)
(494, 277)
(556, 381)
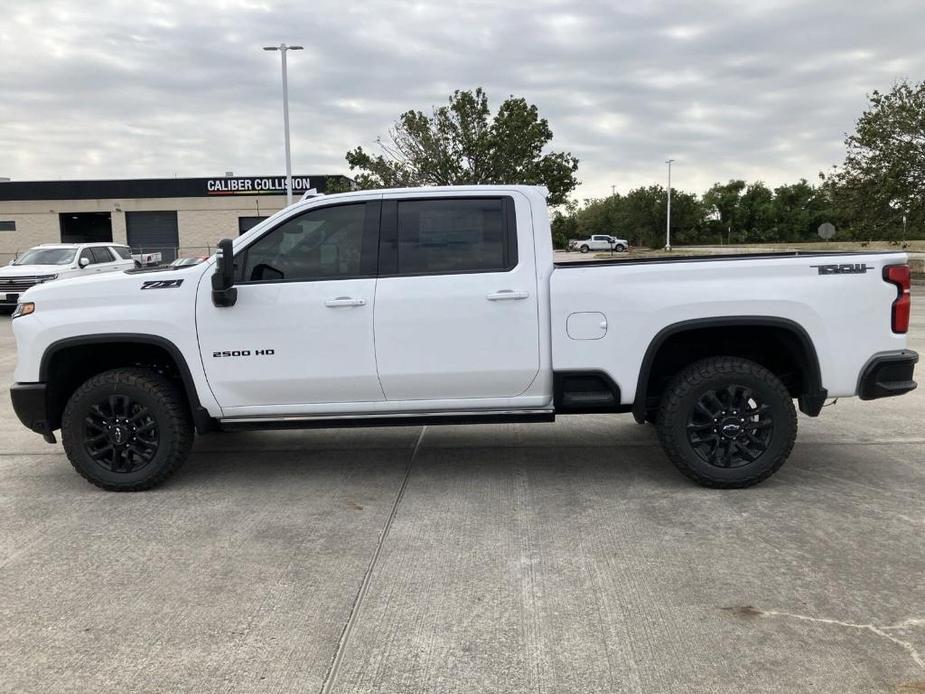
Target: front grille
(9, 285)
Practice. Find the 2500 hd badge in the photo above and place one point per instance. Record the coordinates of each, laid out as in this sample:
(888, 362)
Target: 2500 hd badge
(245, 353)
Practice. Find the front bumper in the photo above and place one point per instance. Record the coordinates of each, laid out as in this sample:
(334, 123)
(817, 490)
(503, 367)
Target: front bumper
(30, 402)
(888, 374)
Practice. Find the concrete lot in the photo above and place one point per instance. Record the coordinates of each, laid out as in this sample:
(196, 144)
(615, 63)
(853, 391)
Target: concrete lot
(568, 557)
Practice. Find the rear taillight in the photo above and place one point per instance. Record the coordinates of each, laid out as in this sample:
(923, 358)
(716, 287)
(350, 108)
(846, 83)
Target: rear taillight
(899, 275)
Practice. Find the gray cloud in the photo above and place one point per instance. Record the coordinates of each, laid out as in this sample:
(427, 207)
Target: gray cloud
(758, 90)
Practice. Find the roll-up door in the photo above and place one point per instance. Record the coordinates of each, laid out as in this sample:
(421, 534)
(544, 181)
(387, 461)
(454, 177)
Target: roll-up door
(153, 232)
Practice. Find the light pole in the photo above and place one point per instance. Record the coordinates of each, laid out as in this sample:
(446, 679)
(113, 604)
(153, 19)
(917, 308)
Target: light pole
(668, 220)
(282, 48)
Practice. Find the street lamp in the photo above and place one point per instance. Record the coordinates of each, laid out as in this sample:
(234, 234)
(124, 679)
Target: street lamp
(282, 48)
(668, 220)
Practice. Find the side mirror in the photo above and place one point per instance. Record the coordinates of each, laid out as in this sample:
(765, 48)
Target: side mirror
(83, 262)
(223, 292)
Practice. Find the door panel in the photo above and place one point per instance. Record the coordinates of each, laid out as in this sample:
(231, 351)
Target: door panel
(280, 344)
(301, 331)
(448, 325)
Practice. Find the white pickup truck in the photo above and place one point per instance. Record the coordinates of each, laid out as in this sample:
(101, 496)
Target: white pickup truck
(599, 242)
(444, 305)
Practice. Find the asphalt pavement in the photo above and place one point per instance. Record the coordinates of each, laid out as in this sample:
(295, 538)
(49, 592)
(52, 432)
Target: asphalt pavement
(567, 557)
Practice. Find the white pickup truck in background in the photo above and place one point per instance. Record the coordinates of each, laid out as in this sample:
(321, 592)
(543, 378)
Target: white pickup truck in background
(599, 242)
(444, 305)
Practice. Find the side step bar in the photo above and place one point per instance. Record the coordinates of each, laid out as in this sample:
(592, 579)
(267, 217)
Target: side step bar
(387, 420)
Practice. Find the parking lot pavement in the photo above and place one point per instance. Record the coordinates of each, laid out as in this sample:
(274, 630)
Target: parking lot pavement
(566, 557)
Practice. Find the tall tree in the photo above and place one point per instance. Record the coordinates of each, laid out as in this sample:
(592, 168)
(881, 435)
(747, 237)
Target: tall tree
(462, 143)
(883, 175)
(722, 200)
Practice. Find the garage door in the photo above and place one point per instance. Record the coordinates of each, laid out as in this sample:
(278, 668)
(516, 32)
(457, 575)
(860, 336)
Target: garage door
(153, 232)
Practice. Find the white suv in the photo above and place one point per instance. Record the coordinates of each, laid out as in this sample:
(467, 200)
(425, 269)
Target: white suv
(54, 261)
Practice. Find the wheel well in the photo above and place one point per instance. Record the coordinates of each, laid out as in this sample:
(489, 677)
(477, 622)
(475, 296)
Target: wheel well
(69, 366)
(782, 348)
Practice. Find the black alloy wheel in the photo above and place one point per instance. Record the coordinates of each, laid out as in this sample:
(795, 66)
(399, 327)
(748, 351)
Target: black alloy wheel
(120, 434)
(726, 422)
(730, 427)
(127, 429)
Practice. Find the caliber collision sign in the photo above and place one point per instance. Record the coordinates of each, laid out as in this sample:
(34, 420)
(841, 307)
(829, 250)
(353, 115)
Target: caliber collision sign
(256, 186)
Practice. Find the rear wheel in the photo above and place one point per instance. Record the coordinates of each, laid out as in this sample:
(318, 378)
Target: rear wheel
(127, 429)
(727, 422)
(584, 248)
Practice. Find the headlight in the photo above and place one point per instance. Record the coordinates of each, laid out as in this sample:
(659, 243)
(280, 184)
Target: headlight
(24, 309)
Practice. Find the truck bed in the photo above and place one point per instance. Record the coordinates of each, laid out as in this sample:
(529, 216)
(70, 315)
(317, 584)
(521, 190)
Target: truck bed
(840, 300)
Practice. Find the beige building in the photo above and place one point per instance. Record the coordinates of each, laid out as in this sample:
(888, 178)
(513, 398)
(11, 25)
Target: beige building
(173, 216)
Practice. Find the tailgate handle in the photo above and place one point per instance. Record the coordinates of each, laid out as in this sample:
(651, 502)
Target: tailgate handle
(344, 301)
(507, 295)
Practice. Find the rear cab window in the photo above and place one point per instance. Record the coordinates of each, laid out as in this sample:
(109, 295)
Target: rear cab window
(448, 236)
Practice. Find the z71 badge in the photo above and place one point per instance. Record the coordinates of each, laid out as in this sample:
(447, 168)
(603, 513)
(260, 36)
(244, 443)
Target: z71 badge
(161, 284)
(843, 269)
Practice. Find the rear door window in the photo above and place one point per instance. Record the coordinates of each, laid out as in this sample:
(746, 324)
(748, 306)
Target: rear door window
(101, 254)
(460, 235)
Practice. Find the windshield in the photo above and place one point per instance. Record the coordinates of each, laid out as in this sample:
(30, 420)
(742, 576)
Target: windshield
(46, 256)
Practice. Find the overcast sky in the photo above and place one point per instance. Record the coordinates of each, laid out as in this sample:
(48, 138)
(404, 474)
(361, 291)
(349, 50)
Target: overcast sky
(754, 89)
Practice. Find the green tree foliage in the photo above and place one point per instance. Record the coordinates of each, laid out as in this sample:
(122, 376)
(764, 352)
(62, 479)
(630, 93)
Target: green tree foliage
(883, 175)
(462, 143)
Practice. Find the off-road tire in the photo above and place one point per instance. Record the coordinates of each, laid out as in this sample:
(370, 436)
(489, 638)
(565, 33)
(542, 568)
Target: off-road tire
(166, 405)
(686, 390)
(584, 249)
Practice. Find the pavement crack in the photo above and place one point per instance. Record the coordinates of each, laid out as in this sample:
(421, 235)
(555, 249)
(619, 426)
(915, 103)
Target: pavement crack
(330, 677)
(873, 628)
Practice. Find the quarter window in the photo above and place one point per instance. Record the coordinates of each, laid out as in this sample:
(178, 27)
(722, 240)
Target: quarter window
(334, 242)
(123, 252)
(450, 236)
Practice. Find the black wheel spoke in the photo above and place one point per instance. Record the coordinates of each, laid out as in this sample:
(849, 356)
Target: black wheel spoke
(738, 426)
(120, 434)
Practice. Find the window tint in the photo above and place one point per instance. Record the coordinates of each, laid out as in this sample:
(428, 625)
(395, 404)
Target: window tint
(447, 236)
(85, 253)
(101, 255)
(123, 252)
(326, 243)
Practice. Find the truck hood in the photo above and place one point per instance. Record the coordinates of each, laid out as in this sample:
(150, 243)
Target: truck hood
(107, 287)
(31, 270)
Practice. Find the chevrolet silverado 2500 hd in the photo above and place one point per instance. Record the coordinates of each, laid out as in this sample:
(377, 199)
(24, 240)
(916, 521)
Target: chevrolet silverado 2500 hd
(443, 305)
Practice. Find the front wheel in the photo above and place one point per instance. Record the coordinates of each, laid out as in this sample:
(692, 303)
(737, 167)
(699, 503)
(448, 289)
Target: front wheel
(727, 422)
(584, 249)
(127, 430)
(620, 248)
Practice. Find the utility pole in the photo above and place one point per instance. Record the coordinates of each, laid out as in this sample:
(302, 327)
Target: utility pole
(283, 48)
(613, 191)
(668, 220)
